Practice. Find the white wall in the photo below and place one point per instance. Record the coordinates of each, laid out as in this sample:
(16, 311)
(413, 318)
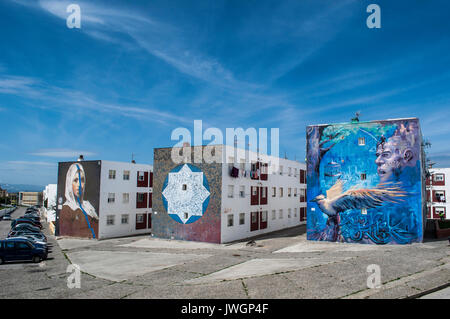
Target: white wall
(237, 205)
(50, 194)
(118, 186)
(446, 188)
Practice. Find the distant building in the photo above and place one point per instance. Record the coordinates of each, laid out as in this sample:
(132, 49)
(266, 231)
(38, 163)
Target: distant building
(366, 182)
(30, 198)
(438, 186)
(49, 202)
(239, 195)
(3, 193)
(102, 199)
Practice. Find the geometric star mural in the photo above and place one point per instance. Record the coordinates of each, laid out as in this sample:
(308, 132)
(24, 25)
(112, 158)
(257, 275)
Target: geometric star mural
(185, 194)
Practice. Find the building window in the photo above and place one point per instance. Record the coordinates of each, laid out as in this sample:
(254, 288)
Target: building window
(289, 192)
(439, 211)
(124, 219)
(242, 191)
(242, 165)
(241, 218)
(139, 218)
(230, 191)
(111, 197)
(274, 191)
(295, 212)
(281, 191)
(289, 171)
(110, 220)
(263, 190)
(264, 216)
(438, 177)
(281, 170)
(363, 176)
(439, 196)
(140, 197)
(280, 214)
(295, 172)
(126, 175)
(274, 169)
(361, 141)
(112, 174)
(254, 190)
(141, 176)
(230, 220)
(184, 187)
(126, 198)
(289, 213)
(295, 192)
(274, 214)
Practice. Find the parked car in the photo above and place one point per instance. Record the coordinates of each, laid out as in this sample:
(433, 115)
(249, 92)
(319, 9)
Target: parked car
(28, 227)
(21, 220)
(19, 249)
(32, 212)
(7, 217)
(37, 243)
(39, 236)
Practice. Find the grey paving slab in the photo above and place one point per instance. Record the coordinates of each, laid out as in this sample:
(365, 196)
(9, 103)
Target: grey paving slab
(260, 267)
(441, 294)
(273, 287)
(223, 290)
(120, 265)
(179, 244)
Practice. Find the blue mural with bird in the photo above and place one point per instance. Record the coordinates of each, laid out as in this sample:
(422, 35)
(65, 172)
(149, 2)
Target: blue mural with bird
(365, 182)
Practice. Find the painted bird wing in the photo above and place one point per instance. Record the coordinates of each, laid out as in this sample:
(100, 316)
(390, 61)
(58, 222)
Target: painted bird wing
(368, 198)
(335, 190)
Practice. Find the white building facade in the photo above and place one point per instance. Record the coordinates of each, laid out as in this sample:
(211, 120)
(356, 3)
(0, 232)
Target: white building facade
(49, 202)
(438, 187)
(260, 194)
(125, 204)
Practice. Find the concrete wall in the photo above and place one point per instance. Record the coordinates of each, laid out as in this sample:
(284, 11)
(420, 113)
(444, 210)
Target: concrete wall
(384, 177)
(118, 186)
(237, 205)
(206, 178)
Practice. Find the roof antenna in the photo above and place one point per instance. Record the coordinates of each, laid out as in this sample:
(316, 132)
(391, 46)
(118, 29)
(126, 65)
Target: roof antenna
(356, 118)
(132, 158)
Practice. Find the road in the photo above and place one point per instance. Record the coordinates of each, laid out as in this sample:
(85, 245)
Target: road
(280, 265)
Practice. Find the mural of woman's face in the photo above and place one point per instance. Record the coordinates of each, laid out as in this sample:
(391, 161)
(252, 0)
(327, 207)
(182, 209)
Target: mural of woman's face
(76, 182)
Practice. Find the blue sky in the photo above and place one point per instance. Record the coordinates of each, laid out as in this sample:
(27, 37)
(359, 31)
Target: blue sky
(136, 70)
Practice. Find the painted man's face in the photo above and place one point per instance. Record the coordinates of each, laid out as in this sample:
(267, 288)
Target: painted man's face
(391, 159)
(76, 184)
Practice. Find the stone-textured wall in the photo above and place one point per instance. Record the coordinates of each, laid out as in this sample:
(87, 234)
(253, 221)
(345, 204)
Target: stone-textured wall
(206, 228)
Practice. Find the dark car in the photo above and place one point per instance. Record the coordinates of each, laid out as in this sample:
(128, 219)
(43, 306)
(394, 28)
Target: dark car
(20, 249)
(38, 236)
(26, 227)
(34, 241)
(32, 212)
(22, 220)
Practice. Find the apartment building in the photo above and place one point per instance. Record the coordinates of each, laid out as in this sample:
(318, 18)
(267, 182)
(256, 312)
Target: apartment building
(103, 199)
(437, 187)
(240, 194)
(49, 202)
(30, 198)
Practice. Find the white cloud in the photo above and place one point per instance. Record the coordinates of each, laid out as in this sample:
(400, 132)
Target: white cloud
(62, 153)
